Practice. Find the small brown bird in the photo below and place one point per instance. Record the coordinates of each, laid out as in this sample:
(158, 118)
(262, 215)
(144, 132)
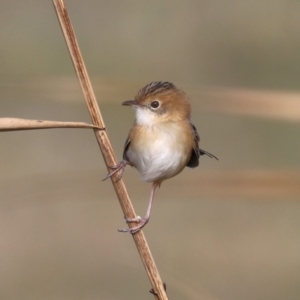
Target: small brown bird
(162, 140)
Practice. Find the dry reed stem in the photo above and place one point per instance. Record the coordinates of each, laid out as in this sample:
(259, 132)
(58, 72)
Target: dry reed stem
(13, 124)
(106, 148)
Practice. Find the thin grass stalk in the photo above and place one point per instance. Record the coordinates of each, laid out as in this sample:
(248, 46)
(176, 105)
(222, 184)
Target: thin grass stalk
(106, 148)
(14, 124)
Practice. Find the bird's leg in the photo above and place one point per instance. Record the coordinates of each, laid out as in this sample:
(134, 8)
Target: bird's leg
(142, 221)
(119, 167)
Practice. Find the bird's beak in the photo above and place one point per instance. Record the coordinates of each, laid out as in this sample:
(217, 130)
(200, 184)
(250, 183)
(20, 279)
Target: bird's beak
(133, 103)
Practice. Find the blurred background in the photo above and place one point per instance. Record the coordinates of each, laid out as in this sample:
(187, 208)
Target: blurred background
(227, 230)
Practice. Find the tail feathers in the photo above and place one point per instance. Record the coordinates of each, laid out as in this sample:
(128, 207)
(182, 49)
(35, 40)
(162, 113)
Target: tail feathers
(203, 152)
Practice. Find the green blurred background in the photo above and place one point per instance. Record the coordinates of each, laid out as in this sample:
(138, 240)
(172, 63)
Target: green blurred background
(227, 230)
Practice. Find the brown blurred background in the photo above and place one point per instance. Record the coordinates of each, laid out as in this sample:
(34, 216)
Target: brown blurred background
(228, 230)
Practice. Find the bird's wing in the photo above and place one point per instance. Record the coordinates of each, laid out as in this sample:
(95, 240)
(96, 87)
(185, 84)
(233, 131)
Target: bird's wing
(194, 160)
(126, 146)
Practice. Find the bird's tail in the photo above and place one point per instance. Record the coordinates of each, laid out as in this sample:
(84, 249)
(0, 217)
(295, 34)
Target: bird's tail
(203, 152)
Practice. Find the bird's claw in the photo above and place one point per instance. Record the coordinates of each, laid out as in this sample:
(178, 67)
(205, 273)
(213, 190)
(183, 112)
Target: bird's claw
(141, 221)
(116, 168)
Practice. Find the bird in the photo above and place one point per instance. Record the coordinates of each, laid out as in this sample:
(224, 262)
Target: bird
(162, 140)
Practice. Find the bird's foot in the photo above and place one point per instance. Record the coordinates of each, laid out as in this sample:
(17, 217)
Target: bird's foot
(141, 221)
(116, 168)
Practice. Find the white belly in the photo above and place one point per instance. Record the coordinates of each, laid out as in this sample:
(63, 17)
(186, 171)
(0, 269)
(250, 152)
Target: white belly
(159, 155)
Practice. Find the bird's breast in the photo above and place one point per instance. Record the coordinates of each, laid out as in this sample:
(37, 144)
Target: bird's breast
(160, 152)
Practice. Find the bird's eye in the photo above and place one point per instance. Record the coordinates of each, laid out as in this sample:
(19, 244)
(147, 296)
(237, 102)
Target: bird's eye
(154, 104)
